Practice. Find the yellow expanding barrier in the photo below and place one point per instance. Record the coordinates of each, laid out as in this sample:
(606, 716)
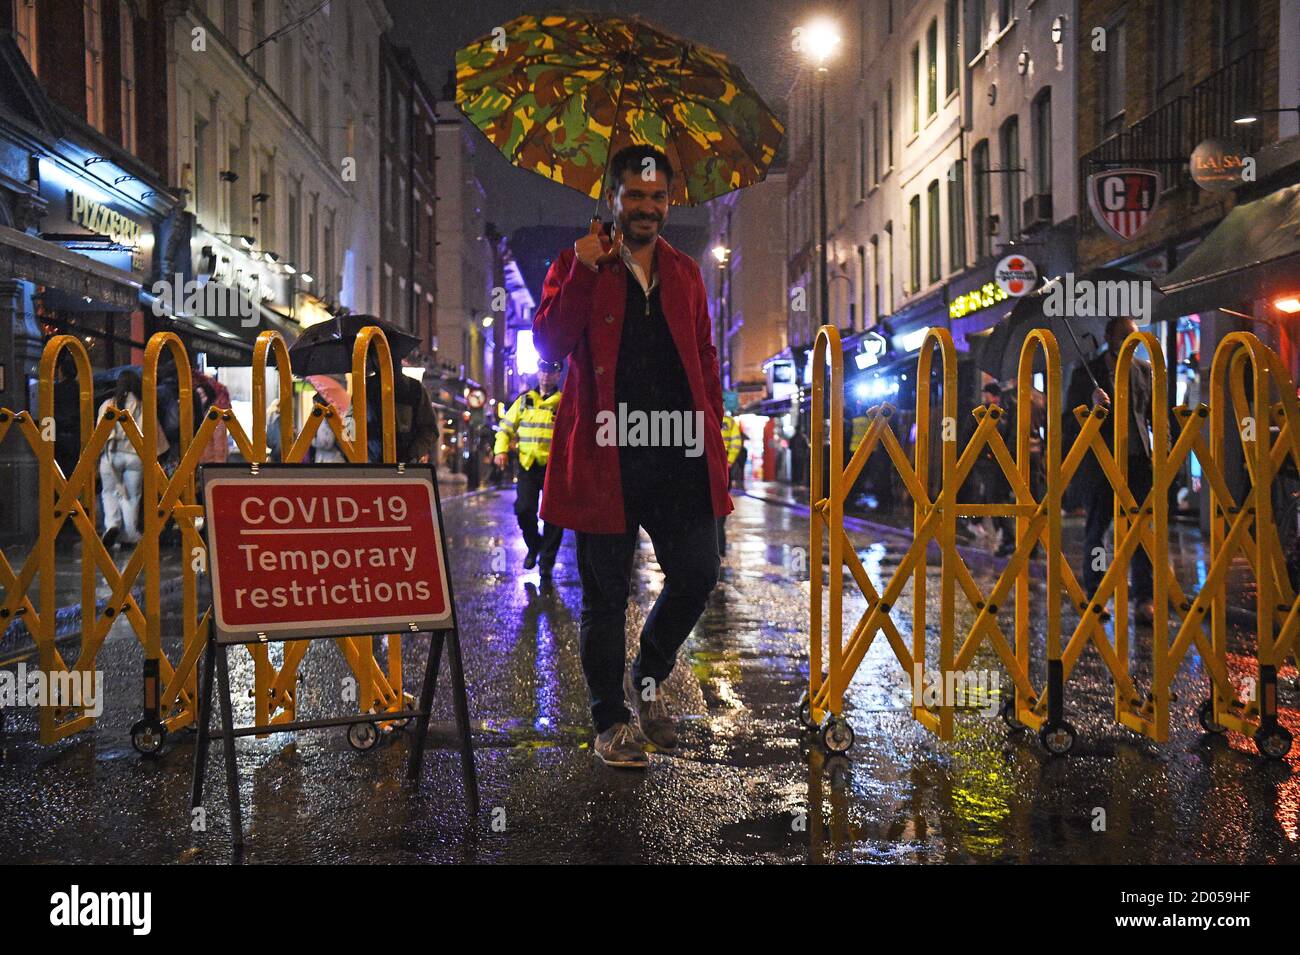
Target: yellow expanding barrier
(1247, 380)
(170, 687)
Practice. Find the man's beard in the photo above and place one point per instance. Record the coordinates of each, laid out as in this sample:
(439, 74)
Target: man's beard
(632, 238)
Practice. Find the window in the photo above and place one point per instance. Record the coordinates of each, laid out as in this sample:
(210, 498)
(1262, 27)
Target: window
(295, 223)
(202, 167)
(875, 142)
(1010, 147)
(266, 208)
(326, 118)
(860, 320)
(259, 34)
(331, 281)
(313, 248)
(1236, 29)
(916, 87)
(1042, 119)
(93, 21)
(889, 125)
(1113, 81)
(229, 207)
(230, 21)
(914, 243)
(1169, 50)
(957, 216)
(932, 68)
(415, 231)
(126, 34)
(889, 16)
(876, 298)
(889, 266)
(284, 52)
(25, 30)
(980, 183)
(862, 159)
(1005, 10)
(975, 28)
(952, 51)
(932, 214)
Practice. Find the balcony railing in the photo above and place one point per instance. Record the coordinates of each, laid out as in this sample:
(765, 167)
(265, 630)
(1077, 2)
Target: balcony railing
(1163, 140)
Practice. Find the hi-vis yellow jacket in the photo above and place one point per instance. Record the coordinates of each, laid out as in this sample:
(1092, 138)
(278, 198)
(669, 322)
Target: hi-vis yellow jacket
(531, 419)
(732, 437)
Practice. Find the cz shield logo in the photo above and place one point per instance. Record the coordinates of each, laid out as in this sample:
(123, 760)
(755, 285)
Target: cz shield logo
(1122, 200)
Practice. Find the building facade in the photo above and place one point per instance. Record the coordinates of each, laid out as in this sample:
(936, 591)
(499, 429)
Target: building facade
(408, 190)
(87, 220)
(744, 274)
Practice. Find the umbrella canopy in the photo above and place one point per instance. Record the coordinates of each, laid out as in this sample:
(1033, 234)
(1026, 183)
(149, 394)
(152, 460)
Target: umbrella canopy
(997, 351)
(326, 348)
(560, 94)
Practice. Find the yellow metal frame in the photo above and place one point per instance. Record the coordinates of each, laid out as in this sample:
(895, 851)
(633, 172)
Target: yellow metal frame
(833, 662)
(170, 690)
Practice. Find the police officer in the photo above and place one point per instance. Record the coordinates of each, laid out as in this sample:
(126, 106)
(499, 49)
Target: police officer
(530, 420)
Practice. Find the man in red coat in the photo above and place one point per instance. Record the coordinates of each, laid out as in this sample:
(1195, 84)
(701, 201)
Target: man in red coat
(637, 444)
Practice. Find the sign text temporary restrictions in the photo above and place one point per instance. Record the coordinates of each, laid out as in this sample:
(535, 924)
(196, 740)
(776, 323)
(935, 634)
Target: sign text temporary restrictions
(302, 551)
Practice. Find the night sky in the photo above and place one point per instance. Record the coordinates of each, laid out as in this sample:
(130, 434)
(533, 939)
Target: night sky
(755, 34)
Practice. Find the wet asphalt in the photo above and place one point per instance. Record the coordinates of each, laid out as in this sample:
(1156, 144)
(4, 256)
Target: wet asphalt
(746, 785)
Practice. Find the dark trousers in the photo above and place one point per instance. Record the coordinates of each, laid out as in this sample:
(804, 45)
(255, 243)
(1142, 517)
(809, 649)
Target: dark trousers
(722, 536)
(1100, 504)
(686, 546)
(994, 488)
(527, 494)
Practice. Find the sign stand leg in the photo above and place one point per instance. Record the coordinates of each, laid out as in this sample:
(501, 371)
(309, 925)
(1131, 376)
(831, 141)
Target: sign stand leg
(461, 703)
(228, 744)
(426, 704)
(205, 719)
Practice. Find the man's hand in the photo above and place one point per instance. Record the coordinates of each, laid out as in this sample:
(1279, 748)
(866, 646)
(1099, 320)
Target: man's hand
(1099, 397)
(501, 460)
(592, 250)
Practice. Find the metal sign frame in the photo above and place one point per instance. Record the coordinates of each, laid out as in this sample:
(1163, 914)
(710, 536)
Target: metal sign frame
(216, 656)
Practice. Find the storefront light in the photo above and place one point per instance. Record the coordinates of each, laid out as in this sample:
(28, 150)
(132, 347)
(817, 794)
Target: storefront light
(1290, 304)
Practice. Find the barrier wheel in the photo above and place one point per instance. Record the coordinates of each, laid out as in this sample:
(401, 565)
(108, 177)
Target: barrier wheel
(363, 736)
(805, 713)
(148, 736)
(1273, 742)
(837, 735)
(840, 771)
(408, 702)
(1205, 716)
(1057, 738)
(1007, 710)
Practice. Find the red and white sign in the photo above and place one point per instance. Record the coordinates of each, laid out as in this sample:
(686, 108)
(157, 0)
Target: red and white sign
(299, 551)
(1122, 200)
(1016, 275)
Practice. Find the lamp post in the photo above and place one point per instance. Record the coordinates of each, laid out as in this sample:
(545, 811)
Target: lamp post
(818, 41)
(722, 255)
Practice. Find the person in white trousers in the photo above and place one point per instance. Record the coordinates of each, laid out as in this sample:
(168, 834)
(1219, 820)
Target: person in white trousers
(121, 472)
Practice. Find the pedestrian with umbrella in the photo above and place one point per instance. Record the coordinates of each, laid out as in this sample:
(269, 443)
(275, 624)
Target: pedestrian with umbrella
(636, 118)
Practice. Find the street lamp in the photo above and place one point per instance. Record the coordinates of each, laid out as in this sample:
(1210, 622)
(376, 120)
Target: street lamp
(1253, 115)
(720, 252)
(818, 41)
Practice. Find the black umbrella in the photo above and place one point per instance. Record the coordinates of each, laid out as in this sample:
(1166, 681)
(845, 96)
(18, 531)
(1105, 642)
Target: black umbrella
(326, 348)
(1002, 343)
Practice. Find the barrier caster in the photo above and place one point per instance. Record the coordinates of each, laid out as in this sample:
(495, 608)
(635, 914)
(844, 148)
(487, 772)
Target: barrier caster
(1273, 742)
(804, 714)
(1205, 716)
(1007, 710)
(837, 734)
(1057, 738)
(408, 702)
(363, 736)
(148, 736)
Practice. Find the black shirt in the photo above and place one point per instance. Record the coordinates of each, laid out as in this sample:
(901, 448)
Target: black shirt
(650, 378)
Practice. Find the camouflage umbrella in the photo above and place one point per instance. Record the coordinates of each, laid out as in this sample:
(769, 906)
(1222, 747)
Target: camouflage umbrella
(561, 93)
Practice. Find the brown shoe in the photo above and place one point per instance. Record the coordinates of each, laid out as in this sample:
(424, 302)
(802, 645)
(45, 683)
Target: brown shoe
(1146, 613)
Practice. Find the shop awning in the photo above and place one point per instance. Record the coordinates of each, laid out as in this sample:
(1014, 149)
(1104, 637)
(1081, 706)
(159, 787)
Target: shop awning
(47, 263)
(1253, 253)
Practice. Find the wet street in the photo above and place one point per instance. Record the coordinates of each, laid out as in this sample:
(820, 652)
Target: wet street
(745, 784)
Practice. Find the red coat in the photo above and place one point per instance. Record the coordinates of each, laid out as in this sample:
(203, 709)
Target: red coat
(581, 316)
